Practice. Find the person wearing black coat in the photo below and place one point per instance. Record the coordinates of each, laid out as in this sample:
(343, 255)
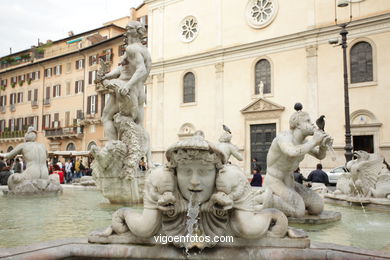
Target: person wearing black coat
(257, 179)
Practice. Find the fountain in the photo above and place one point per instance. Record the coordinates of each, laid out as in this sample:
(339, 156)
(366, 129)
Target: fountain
(367, 183)
(115, 167)
(35, 179)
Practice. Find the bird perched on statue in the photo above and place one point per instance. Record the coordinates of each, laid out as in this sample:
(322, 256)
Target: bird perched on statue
(320, 122)
(226, 129)
(298, 106)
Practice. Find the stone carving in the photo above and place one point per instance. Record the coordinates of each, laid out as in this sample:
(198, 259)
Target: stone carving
(227, 147)
(197, 194)
(287, 150)
(368, 177)
(35, 179)
(116, 165)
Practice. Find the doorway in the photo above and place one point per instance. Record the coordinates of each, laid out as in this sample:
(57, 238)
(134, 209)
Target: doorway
(261, 137)
(363, 142)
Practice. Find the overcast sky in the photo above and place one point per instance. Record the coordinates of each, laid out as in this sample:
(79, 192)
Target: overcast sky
(22, 22)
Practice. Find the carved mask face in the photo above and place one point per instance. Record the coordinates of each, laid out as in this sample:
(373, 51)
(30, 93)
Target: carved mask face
(195, 177)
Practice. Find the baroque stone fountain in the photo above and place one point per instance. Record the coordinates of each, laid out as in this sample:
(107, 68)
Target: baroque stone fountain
(35, 179)
(115, 167)
(367, 183)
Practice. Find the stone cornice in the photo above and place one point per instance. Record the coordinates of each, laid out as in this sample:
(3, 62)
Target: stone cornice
(358, 28)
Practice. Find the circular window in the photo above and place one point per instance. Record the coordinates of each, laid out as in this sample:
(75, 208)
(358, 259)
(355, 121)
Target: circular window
(188, 29)
(260, 13)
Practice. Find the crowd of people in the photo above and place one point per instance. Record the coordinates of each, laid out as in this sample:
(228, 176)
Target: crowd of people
(67, 169)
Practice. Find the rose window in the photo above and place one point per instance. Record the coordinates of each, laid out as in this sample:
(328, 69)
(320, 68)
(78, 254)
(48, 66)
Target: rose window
(189, 29)
(260, 13)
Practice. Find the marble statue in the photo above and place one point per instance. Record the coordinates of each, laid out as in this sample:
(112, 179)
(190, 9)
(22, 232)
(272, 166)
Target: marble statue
(35, 179)
(287, 150)
(197, 184)
(227, 147)
(368, 177)
(115, 167)
(127, 81)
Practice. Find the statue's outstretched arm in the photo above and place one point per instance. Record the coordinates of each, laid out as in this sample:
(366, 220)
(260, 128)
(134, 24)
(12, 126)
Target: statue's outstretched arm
(18, 150)
(292, 150)
(115, 73)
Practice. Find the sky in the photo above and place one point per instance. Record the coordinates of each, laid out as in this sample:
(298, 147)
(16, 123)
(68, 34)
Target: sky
(23, 22)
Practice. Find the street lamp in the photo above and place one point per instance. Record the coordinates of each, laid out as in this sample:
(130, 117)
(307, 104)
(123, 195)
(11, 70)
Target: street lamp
(343, 33)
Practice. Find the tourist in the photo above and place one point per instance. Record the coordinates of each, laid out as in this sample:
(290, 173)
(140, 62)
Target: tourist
(298, 177)
(68, 171)
(318, 176)
(2, 163)
(77, 167)
(142, 164)
(4, 175)
(81, 172)
(257, 180)
(255, 164)
(17, 166)
(60, 173)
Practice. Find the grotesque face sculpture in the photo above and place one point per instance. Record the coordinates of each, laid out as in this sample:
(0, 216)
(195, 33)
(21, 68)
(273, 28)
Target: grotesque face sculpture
(196, 177)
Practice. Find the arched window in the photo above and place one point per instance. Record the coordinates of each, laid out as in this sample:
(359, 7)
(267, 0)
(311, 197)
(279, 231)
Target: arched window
(263, 74)
(189, 87)
(71, 147)
(10, 148)
(90, 145)
(361, 62)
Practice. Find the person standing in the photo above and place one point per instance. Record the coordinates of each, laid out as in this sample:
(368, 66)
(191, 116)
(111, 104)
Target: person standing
(68, 171)
(17, 166)
(257, 180)
(255, 165)
(298, 177)
(318, 176)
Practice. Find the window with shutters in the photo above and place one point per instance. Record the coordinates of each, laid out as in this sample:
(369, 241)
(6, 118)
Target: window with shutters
(189, 87)
(2, 125)
(67, 118)
(19, 124)
(361, 62)
(3, 82)
(20, 97)
(3, 101)
(56, 121)
(93, 60)
(48, 72)
(29, 95)
(35, 95)
(46, 122)
(56, 91)
(79, 86)
(92, 77)
(121, 49)
(57, 69)
(14, 80)
(12, 99)
(11, 124)
(80, 64)
(92, 105)
(263, 77)
(80, 114)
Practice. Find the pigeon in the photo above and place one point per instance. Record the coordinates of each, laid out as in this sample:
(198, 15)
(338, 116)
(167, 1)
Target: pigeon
(320, 122)
(298, 106)
(225, 128)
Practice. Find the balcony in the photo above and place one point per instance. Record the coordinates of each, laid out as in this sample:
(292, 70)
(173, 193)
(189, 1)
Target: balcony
(64, 133)
(34, 103)
(12, 136)
(13, 108)
(46, 102)
(2, 109)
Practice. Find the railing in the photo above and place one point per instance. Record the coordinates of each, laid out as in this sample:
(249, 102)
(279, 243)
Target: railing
(46, 101)
(13, 108)
(34, 103)
(64, 132)
(12, 134)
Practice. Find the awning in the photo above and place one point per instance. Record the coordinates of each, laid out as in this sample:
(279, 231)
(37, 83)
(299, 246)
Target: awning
(70, 153)
(75, 40)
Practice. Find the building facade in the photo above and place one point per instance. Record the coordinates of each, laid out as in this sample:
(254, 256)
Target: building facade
(51, 87)
(246, 63)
